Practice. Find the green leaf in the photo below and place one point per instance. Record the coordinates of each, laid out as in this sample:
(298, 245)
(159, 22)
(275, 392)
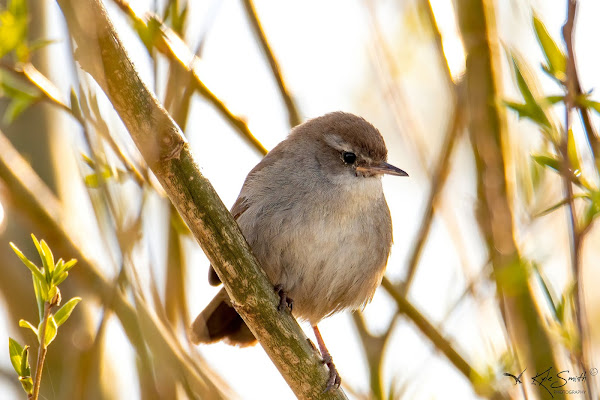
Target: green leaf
(28, 325)
(51, 293)
(91, 181)
(556, 59)
(534, 110)
(88, 161)
(13, 26)
(523, 110)
(552, 100)
(553, 208)
(51, 330)
(39, 296)
(18, 7)
(25, 370)
(26, 384)
(60, 264)
(16, 107)
(176, 18)
(48, 260)
(572, 154)
(592, 210)
(521, 82)
(16, 354)
(13, 86)
(40, 44)
(548, 162)
(44, 291)
(588, 103)
(21, 93)
(58, 279)
(561, 309)
(560, 204)
(546, 290)
(65, 311)
(70, 264)
(144, 34)
(32, 267)
(37, 245)
(74, 103)
(62, 271)
(43, 284)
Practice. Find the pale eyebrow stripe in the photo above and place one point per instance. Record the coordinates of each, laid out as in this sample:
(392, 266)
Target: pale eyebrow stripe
(340, 144)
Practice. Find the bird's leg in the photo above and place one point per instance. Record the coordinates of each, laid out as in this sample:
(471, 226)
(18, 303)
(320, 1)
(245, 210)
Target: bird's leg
(284, 300)
(334, 380)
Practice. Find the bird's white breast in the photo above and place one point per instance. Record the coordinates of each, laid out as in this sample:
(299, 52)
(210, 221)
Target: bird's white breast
(321, 246)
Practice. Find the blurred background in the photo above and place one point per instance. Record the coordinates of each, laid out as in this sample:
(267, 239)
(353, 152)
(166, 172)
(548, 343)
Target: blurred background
(493, 267)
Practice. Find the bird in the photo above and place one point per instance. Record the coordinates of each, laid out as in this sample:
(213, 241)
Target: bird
(315, 216)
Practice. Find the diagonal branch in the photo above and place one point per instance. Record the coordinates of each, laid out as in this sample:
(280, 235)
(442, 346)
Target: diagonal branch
(292, 109)
(101, 53)
(438, 180)
(166, 41)
(440, 342)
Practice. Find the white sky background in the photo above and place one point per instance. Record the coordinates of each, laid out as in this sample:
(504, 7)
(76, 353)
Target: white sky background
(324, 51)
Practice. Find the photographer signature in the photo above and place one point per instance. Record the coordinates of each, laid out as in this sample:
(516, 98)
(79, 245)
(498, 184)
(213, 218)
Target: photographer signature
(548, 380)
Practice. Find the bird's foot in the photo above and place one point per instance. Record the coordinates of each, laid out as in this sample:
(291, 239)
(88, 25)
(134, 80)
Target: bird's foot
(335, 380)
(284, 301)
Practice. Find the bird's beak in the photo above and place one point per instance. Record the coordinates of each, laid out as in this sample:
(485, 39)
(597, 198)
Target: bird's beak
(380, 168)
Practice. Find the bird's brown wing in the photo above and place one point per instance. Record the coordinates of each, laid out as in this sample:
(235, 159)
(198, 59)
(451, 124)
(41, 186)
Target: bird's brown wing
(242, 203)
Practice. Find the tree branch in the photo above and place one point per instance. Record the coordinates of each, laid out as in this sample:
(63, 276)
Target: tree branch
(168, 42)
(438, 180)
(292, 109)
(521, 313)
(440, 342)
(41, 353)
(100, 52)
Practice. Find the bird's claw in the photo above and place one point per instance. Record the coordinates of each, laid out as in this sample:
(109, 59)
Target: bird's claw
(335, 380)
(284, 301)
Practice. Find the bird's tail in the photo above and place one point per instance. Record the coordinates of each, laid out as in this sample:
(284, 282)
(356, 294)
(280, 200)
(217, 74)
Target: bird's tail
(220, 321)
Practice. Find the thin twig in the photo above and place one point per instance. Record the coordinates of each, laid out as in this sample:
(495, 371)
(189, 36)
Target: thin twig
(292, 109)
(41, 353)
(437, 39)
(397, 100)
(437, 183)
(573, 85)
(575, 233)
(374, 346)
(52, 95)
(431, 333)
(176, 50)
(406, 123)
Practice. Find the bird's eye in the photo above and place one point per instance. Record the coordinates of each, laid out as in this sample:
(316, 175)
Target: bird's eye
(349, 157)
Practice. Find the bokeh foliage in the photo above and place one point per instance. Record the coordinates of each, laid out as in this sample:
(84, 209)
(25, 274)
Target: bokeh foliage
(543, 323)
